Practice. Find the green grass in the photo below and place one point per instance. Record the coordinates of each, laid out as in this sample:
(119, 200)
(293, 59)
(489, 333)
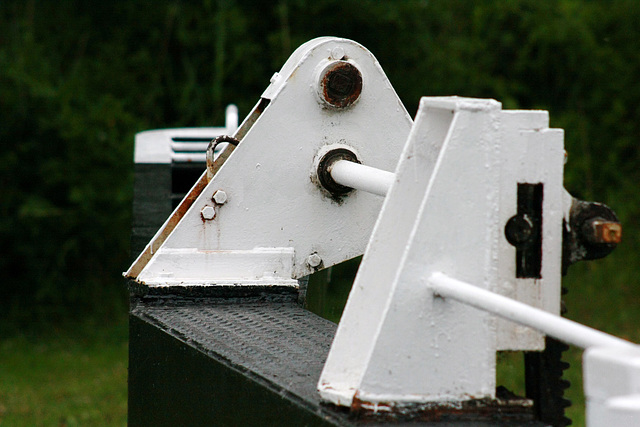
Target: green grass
(70, 376)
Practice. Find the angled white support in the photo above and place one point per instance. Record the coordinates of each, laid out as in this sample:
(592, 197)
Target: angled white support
(395, 343)
(273, 208)
(458, 182)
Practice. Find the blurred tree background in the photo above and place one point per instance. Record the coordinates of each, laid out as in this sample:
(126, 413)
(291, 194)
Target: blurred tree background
(79, 78)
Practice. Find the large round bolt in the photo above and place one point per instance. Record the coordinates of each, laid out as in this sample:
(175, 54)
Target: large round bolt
(219, 197)
(208, 212)
(340, 84)
(314, 260)
(519, 230)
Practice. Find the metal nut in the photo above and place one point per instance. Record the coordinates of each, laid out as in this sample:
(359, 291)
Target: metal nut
(219, 197)
(314, 260)
(208, 212)
(606, 232)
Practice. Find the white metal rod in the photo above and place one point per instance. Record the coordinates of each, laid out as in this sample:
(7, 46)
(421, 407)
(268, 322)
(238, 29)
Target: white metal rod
(563, 329)
(361, 177)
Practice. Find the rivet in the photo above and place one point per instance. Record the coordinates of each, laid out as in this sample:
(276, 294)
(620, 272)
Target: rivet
(337, 53)
(314, 260)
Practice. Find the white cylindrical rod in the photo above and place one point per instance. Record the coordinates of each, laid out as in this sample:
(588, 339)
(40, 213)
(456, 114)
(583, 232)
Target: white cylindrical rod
(563, 329)
(361, 177)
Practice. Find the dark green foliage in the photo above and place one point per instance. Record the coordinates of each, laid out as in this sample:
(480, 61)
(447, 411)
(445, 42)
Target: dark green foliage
(79, 79)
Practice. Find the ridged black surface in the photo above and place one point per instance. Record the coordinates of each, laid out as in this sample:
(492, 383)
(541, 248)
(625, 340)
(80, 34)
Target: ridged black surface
(545, 383)
(280, 341)
(240, 361)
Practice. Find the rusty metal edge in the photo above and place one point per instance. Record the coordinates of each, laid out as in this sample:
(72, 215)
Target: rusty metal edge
(509, 410)
(160, 237)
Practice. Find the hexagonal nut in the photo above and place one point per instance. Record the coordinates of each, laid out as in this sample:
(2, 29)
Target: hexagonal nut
(219, 197)
(314, 260)
(208, 212)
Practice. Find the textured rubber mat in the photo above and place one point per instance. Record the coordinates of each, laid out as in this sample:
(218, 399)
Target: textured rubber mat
(279, 341)
(258, 358)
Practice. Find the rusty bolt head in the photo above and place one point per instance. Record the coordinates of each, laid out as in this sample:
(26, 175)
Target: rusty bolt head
(208, 212)
(219, 197)
(314, 260)
(606, 232)
(340, 84)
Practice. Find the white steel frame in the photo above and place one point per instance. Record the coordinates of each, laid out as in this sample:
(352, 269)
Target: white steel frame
(436, 294)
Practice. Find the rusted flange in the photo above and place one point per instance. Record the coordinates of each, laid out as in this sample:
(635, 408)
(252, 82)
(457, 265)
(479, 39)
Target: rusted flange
(324, 170)
(340, 84)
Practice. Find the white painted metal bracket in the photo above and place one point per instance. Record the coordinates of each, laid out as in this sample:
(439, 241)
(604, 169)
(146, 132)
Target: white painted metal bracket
(438, 291)
(456, 186)
(530, 153)
(273, 209)
(263, 215)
